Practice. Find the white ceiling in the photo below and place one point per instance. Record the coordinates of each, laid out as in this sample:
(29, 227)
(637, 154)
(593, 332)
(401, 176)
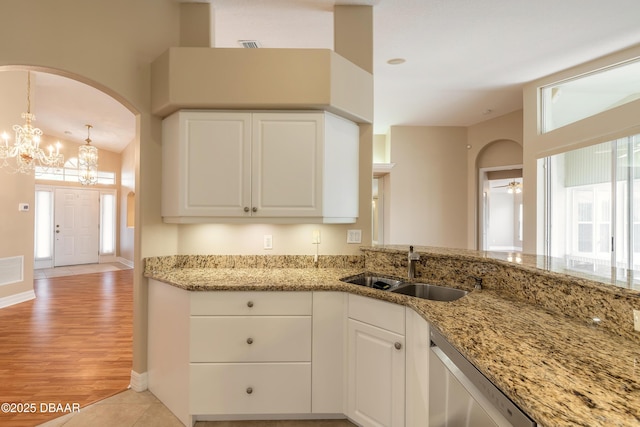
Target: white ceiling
(466, 60)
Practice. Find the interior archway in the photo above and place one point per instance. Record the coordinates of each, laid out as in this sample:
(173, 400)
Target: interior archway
(500, 186)
(63, 104)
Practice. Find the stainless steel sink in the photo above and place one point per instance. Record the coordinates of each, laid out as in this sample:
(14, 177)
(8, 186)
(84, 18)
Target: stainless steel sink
(430, 292)
(373, 281)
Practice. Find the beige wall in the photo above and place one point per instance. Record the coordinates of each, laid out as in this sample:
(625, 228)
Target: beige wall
(501, 130)
(114, 53)
(427, 194)
(108, 45)
(16, 228)
(127, 185)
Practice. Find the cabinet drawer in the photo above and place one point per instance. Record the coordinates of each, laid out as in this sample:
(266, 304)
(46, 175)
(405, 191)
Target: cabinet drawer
(250, 339)
(382, 314)
(229, 303)
(250, 388)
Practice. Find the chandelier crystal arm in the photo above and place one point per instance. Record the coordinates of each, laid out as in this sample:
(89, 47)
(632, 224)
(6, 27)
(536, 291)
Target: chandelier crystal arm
(25, 154)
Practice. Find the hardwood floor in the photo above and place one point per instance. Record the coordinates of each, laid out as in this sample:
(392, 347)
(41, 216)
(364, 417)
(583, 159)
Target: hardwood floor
(71, 345)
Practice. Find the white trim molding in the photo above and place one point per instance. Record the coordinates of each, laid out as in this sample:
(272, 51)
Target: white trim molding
(125, 261)
(139, 382)
(17, 298)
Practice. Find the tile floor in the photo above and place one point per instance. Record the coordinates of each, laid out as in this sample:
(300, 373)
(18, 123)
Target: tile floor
(132, 409)
(72, 270)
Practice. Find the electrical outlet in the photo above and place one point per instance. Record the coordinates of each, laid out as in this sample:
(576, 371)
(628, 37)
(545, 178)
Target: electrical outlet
(268, 241)
(315, 237)
(636, 320)
(354, 236)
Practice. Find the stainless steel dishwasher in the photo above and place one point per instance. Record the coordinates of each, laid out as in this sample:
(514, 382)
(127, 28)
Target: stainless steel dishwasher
(461, 396)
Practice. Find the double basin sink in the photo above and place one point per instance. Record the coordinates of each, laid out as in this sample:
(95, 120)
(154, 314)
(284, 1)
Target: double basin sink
(418, 290)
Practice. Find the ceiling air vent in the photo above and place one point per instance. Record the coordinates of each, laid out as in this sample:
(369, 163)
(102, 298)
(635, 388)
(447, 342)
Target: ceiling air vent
(250, 44)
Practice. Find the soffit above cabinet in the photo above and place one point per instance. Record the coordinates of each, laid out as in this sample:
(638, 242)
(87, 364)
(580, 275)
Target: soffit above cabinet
(283, 79)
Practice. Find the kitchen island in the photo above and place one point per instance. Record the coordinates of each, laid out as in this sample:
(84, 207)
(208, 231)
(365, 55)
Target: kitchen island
(562, 370)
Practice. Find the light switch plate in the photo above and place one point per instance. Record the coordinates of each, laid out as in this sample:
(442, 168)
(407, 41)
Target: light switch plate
(354, 236)
(268, 241)
(315, 237)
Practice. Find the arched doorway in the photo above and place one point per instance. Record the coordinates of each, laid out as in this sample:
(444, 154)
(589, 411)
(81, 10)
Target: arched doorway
(500, 186)
(63, 106)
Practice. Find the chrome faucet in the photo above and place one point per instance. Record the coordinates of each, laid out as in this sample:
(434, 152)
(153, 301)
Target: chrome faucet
(413, 257)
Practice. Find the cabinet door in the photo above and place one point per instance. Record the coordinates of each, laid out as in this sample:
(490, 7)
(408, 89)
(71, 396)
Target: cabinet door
(287, 164)
(206, 164)
(376, 386)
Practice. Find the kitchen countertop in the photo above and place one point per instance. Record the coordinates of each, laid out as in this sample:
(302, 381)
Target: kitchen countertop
(561, 371)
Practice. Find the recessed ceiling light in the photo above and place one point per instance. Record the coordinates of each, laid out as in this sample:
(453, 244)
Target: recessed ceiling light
(396, 61)
(487, 112)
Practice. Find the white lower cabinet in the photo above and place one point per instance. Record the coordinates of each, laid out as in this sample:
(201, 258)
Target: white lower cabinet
(247, 355)
(376, 363)
(250, 388)
(278, 379)
(261, 355)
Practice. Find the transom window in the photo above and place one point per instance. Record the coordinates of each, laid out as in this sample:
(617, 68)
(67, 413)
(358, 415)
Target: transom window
(69, 173)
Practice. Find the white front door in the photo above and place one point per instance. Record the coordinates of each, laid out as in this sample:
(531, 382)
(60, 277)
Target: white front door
(76, 220)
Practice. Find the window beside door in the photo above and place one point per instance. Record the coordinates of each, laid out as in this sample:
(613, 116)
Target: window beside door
(44, 211)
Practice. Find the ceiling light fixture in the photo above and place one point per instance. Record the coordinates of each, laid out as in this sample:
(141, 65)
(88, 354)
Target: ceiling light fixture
(396, 61)
(88, 161)
(514, 187)
(26, 148)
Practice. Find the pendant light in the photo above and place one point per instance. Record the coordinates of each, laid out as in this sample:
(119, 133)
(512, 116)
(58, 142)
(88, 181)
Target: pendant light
(88, 161)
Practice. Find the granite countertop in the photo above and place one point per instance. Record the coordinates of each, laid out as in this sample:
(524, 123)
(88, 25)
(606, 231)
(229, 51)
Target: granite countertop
(561, 371)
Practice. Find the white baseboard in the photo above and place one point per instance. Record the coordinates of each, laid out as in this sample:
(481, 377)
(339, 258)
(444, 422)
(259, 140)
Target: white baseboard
(139, 382)
(126, 262)
(17, 298)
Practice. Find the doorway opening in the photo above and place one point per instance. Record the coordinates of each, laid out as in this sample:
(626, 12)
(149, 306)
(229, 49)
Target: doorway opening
(500, 210)
(64, 104)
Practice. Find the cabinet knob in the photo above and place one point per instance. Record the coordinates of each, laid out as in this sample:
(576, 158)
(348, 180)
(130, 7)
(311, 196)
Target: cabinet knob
(250, 304)
(249, 390)
(246, 208)
(398, 346)
(254, 209)
(249, 340)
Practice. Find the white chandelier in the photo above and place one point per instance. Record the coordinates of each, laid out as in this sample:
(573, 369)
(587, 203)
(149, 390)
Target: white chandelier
(26, 148)
(88, 161)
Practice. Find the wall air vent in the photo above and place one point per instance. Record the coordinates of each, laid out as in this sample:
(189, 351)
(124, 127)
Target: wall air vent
(11, 270)
(250, 44)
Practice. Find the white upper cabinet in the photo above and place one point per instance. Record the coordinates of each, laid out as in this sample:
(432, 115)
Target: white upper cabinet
(283, 167)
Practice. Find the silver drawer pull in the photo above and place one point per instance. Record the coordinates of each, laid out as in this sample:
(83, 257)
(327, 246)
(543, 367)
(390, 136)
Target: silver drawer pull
(249, 340)
(250, 304)
(249, 390)
(398, 346)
